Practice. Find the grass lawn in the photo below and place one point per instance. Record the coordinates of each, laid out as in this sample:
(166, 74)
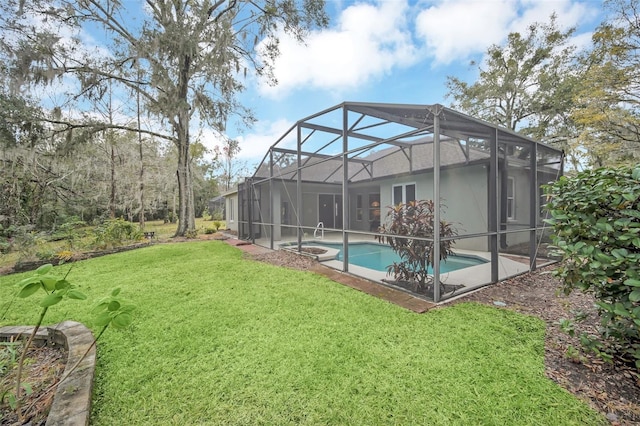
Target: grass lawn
(222, 340)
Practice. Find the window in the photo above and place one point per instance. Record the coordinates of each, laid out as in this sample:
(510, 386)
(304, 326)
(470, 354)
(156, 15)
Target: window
(374, 207)
(359, 210)
(511, 199)
(404, 193)
(230, 213)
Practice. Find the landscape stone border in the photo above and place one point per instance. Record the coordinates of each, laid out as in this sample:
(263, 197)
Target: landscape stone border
(72, 400)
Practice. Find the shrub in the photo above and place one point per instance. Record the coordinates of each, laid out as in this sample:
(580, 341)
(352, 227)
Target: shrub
(114, 232)
(217, 224)
(209, 231)
(191, 233)
(69, 231)
(414, 219)
(596, 219)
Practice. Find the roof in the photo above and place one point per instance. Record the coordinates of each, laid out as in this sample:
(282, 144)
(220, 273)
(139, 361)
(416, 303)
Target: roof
(384, 140)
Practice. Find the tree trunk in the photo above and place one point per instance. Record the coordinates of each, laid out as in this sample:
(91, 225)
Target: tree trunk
(112, 196)
(186, 219)
(141, 187)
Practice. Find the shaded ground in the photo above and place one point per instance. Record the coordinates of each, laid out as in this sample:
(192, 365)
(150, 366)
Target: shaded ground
(611, 389)
(43, 367)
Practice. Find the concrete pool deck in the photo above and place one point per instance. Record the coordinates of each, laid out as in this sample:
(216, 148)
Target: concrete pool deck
(467, 279)
(397, 297)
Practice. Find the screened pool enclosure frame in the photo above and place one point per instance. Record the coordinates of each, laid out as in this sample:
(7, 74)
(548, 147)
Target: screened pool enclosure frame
(333, 176)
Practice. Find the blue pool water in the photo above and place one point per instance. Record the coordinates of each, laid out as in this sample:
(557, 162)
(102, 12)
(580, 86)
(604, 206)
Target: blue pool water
(379, 256)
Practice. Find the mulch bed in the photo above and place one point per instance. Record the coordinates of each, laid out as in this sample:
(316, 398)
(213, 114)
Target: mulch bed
(44, 365)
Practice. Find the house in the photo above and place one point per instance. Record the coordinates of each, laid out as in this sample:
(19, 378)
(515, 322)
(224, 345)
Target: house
(225, 206)
(334, 175)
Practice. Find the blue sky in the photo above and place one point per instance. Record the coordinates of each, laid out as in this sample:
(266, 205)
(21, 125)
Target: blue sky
(396, 51)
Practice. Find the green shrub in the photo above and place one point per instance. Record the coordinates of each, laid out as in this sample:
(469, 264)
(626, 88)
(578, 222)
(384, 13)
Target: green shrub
(209, 231)
(217, 224)
(115, 232)
(6, 238)
(415, 219)
(69, 231)
(596, 219)
(191, 233)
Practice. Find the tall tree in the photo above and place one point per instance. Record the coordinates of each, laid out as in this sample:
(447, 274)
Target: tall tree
(186, 57)
(231, 169)
(526, 85)
(608, 104)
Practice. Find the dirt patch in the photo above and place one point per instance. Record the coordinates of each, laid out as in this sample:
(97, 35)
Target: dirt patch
(287, 259)
(43, 367)
(612, 389)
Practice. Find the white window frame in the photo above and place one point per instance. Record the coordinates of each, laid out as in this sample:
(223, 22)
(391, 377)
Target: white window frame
(511, 200)
(404, 191)
(231, 212)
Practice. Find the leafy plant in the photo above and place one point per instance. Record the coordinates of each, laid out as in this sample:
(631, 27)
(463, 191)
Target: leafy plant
(113, 311)
(110, 311)
(596, 220)
(55, 289)
(70, 231)
(191, 233)
(406, 223)
(216, 224)
(115, 232)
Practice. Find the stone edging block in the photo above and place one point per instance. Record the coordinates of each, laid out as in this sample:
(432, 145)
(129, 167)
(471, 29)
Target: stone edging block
(72, 401)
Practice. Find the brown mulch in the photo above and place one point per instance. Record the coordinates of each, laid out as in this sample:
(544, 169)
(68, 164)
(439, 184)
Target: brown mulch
(612, 389)
(43, 366)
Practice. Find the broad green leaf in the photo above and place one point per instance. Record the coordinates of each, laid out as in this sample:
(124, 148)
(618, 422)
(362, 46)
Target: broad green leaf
(114, 306)
(27, 388)
(76, 294)
(115, 292)
(27, 280)
(122, 320)
(44, 269)
(127, 308)
(630, 212)
(103, 319)
(632, 282)
(100, 306)
(62, 284)
(49, 282)
(13, 403)
(29, 289)
(634, 296)
(620, 253)
(602, 257)
(50, 300)
(636, 173)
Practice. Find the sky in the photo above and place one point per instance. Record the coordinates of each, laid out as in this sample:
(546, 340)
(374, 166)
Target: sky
(385, 51)
(391, 51)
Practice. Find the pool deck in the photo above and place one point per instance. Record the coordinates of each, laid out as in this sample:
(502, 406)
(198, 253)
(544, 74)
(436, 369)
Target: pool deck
(397, 297)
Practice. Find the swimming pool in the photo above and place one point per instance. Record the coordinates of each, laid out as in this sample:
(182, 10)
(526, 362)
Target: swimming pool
(379, 256)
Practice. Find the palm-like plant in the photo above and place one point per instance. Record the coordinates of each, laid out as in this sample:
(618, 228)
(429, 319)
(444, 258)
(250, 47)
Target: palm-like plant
(409, 230)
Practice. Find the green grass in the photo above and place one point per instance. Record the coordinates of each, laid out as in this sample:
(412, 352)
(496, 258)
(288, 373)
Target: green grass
(222, 340)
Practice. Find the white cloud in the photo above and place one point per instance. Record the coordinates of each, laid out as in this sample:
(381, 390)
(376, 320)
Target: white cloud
(254, 145)
(368, 42)
(455, 29)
